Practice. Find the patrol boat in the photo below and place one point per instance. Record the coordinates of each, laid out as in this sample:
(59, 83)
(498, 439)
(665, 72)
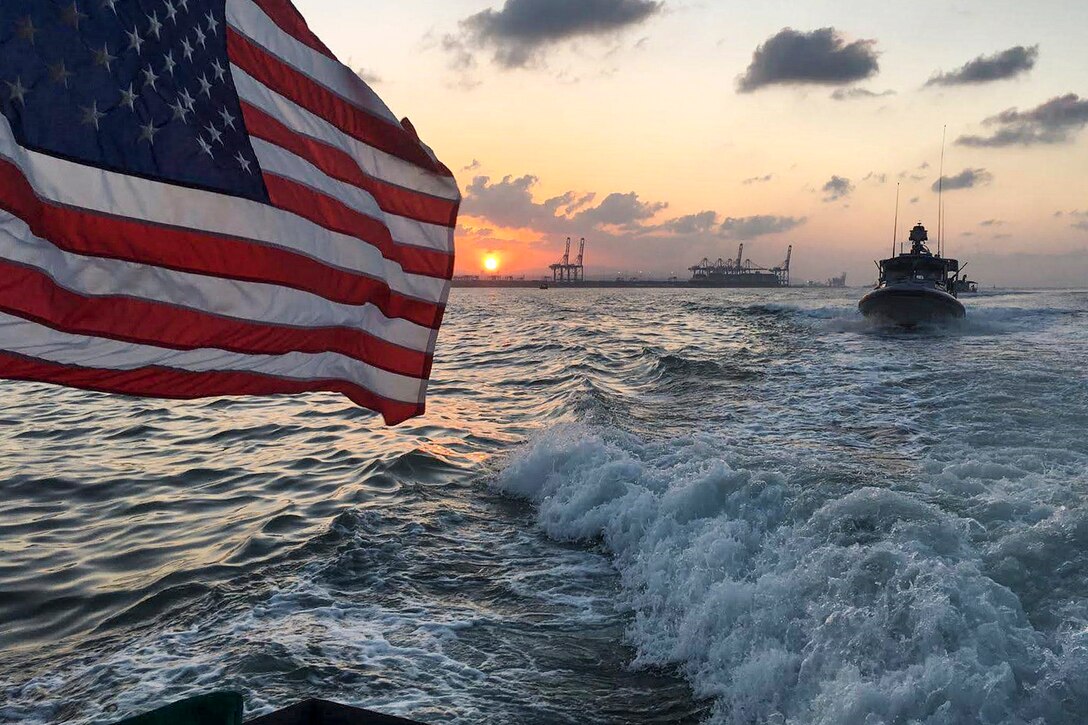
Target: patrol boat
(915, 287)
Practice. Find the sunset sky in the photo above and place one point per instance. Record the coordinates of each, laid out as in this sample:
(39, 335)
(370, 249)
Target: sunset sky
(665, 132)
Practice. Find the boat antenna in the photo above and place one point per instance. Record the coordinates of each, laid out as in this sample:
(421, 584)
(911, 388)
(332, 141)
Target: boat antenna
(895, 232)
(940, 197)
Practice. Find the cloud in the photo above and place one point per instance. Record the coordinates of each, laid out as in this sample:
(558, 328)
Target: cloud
(1053, 122)
(966, 179)
(1081, 225)
(915, 200)
(858, 94)
(988, 68)
(473, 166)
(757, 226)
(369, 77)
(619, 210)
(837, 188)
(875, 178)
(692, 223)
(820, 57)
(758, 180)
(522, 30)
(992, 223)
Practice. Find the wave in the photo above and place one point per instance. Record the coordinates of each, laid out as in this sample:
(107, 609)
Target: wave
(783, 602)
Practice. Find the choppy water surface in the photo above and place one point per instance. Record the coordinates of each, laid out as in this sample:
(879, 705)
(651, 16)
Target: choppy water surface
(624, 506)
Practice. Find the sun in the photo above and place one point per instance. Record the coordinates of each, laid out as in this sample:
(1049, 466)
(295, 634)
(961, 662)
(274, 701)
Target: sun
(491, 263)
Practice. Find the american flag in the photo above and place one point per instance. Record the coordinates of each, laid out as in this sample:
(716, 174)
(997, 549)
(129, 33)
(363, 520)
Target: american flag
(197, 199)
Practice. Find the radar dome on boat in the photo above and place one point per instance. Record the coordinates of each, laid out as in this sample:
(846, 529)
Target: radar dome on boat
(919, 234)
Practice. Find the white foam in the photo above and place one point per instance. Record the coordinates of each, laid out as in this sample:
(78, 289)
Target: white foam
(785, 603)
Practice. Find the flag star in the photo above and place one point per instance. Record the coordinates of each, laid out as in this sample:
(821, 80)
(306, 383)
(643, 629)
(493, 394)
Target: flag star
(180, 111)
(242, 161)
(228, 120)
(184, 5)
(156, 25)
(205, 85)
(128, 97)
(215, 133)
(200, 37)
(185, 98)
(170, 63)
(186, 49)
(171, 12)
(72, 15)
(135, 42)
(213, 24)
(25, 29)
(220, 71)
(104, 57)
(110, 4)
(149, 77)
(17, 90)
(147, 133)
(205, 146)
(59, 73)
(91, 115)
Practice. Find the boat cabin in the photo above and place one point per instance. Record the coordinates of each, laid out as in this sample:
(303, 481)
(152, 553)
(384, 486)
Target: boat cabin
(919, 266)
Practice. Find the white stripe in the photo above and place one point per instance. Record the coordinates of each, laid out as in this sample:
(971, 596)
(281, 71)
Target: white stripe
(85, 187)
(281, 162)
(245, 301)
(249, 20)
(373, 162)
(30, 339)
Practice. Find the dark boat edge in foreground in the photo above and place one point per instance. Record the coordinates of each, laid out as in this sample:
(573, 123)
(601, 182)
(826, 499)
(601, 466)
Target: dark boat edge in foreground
(225, 708)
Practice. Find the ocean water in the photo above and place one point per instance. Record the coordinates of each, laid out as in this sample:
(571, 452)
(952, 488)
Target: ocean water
(625, 506)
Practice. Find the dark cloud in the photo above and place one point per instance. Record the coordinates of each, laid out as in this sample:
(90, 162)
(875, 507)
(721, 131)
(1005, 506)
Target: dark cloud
(1053, 122)
(992, 223)
(758, 180)
(838, 188)
(692, 223)
(757, 226)
(820, 57)
(875, 178)
(966, 179)
(915, 200)
(1081, 225)
(519, 31)
(619, 210)
(987, 68)
(473, 166)
(858, 94)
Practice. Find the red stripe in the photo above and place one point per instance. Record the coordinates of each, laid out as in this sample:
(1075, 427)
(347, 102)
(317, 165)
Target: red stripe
(290, 20)
(304, 91)
(31, 294)
(337, 216)
(160, 382)
(341, 166)
(83, 232)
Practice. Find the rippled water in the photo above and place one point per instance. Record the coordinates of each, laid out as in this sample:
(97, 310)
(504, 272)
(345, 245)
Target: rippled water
(625, 506)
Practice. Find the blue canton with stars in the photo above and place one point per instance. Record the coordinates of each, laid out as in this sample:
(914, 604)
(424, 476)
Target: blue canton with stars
(142, 87)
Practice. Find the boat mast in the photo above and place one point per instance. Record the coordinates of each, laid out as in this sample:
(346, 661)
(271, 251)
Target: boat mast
(940, 197)
(895, 232)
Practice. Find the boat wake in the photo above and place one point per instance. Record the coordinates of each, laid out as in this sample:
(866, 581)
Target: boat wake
(777, 598)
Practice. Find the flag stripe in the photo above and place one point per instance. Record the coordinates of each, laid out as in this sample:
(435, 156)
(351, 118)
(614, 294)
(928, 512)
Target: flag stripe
(253, 23)
(34, 340)
(339, 165)
(31, 294)
(185, 385)
(303, 91)
(178, 248)
(247, 301)
(76, 185)
(281, 162)
(336, 216)
(374, 162)
(291, 21)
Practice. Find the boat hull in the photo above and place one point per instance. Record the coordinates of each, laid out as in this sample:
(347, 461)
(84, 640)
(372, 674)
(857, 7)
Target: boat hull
(909, 306)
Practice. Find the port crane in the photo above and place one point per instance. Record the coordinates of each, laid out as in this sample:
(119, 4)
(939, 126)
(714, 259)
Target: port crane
(564, 271)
